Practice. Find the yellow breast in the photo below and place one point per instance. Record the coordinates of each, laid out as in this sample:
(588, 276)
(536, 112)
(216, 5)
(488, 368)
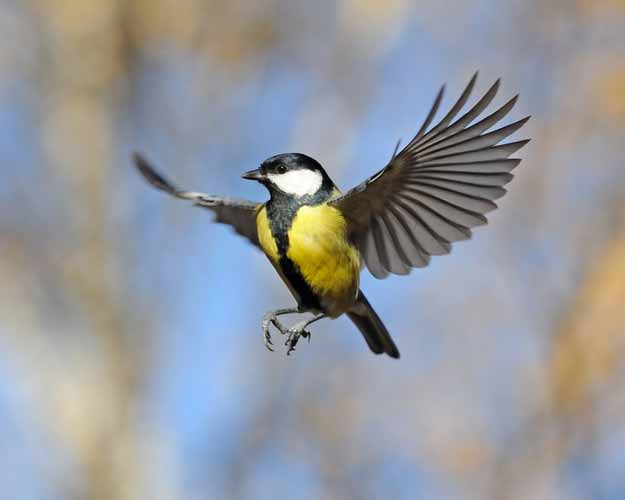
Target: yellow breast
(266, 240)
(318, 245)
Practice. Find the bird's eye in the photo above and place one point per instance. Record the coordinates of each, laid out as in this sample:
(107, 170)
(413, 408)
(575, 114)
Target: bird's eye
(281, 169)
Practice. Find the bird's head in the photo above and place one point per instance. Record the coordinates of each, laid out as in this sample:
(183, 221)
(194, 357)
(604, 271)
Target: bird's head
(291, 174)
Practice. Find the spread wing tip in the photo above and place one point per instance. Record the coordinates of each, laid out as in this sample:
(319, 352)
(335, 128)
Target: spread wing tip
(157, 180)
(151, 175)
(520, 144)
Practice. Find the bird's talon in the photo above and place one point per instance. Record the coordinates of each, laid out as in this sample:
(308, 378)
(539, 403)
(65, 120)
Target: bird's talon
(293, 337)
(279, 326)
(267, 336)
(292, 334)
(291, 345)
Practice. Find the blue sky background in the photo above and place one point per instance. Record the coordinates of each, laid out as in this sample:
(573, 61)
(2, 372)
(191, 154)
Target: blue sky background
(131, 356)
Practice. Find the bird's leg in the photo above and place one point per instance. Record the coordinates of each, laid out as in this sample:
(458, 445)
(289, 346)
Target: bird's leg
(299, 330)
(271, 318)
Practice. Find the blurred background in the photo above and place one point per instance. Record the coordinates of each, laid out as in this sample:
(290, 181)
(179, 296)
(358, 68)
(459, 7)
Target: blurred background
(131, 359)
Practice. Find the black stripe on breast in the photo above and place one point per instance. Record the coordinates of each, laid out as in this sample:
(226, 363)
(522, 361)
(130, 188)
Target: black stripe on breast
(281, 211)
(307, 298)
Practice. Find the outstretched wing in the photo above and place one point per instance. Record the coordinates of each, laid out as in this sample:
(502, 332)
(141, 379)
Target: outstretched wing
(239, 214)
(435, 190)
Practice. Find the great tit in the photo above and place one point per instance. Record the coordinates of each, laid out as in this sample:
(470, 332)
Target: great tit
(428, 196)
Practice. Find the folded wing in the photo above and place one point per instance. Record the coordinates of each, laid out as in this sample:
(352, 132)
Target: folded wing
(240, 214)
(436, 189)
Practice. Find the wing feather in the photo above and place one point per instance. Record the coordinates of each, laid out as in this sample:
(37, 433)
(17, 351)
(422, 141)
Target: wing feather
(477, 128)
(239, 214)
(464, 120)
(430, 241)
(462, 100)
(399, 261)
(371, 256)
(475, 143)
(438, 220)
(476, 167)
(477, 179)
(436, 189)
(430, 116)
(464, 201)
(378, 240)
(501, 152)
(414, 253)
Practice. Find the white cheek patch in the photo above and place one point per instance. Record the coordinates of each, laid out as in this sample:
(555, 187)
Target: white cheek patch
(297, 182)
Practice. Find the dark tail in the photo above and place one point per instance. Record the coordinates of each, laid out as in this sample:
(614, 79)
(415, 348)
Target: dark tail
(372, 328)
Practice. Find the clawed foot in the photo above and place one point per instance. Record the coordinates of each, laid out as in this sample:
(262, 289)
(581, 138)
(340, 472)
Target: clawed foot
(293, 335)
(271, 319)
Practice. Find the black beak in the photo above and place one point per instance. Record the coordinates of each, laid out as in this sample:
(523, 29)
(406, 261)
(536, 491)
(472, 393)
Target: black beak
(254, 175)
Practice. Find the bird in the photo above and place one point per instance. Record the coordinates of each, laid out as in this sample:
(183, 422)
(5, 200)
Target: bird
(428, 196)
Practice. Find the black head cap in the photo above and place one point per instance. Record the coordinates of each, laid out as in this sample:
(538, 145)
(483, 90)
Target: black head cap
(271, 170)
(291, 161)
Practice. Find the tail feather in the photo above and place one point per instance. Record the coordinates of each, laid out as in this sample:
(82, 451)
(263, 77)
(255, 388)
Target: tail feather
(371, 326)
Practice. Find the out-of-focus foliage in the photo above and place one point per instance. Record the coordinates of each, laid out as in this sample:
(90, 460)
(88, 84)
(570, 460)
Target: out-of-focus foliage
(131, 362)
